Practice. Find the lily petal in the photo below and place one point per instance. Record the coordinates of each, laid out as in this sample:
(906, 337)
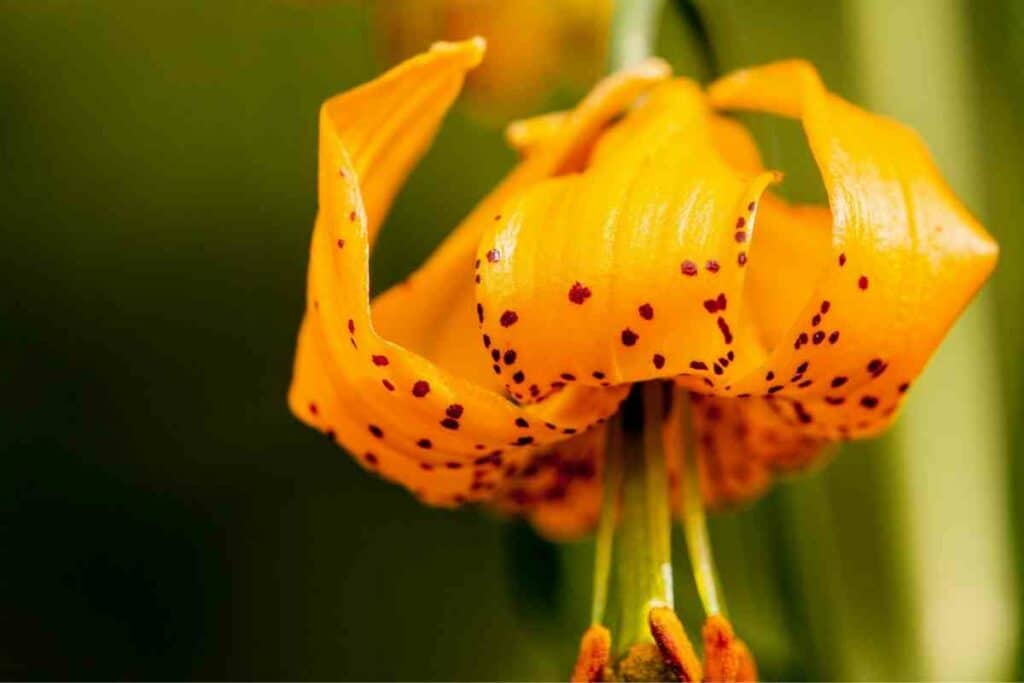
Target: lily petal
(905, 258)
(420, 423)
(632, 269)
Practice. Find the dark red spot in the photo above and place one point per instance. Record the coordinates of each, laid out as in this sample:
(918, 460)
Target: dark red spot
(629, 337)
(903, 387)
(314, 409)
(770, 376)
(834, 337)
(712, 266)
(420, 389)
(835, 400)
(520, 422)
(495, 355)
(774, 389)
(510, 357)
(597, 374)
(387, 384)
(497, 216)
(806, 383)
(825, 306)
(579, 293)
(425, 443)
(524, 441)
(480, 312)
(740, 222)
(454, 411)
(838, 382)
(802, 368)
(518, 377)
(816, 320)
(476, 278)
(874, 365)
(688, 268)
(509, 318)
(659, 361)
(868, 401)
(496, 368)
(842, 260)
(724, 327)
(371, 458)
(351, 326)
(376, 431)
(450, 423)
(751, 205)
(646, 311)
(698, 365)
(717, 369)
(352, 216)
(741, 260)
(862, 282)
(740, 236)
(487, 341)
(380, 360)
(341, 244)
(818, 337)
(568, 377)
(493, 256)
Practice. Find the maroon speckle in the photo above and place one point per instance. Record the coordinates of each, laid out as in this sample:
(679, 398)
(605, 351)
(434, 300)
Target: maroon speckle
(659, 361)
(740, 222)
(903, 387)
(454, 411)
(629, 337)
(380, 360)
(568, 376)
(450, 423)
(816, 320)
(802, 368)
(420, 389)
(740, 236)
(834, 337)
(376, 431)
(751, 205)
(578, 293)
(838, 382)
(597, 374)
(698, 365)
(510, 357)
(835, 400)
(769, 377)
(424, 443)
(741, 260)
(496, 368)
(818, 337)
(825, 306)
(387, 384)
(724, 327)
(480, 312)
(688, 268)
(487, 341)
(352, 216)
(774, 389)
(646, 311)
(509, 318)
(371, 458)
(518, 377)
(712, 266)
(717, 369)
(341, 243)
(842, 260)
(806, 383)
(493, 256)
(495, 355)
(524, 441)
(314, 409)
(874, 365)
(522, 423)
(862, 282)
(868, 401)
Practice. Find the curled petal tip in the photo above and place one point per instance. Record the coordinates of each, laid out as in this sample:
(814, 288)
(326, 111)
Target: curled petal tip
(471, 49)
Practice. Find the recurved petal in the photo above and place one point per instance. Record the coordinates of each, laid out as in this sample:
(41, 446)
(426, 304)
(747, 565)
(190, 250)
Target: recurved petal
(433, 430)
(904, 259)
(559, 488)
(632, 269)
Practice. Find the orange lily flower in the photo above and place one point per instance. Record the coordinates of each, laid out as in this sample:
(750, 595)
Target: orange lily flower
(635, 241)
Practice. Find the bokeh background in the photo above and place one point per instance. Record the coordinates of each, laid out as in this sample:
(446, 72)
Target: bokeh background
(163, 516)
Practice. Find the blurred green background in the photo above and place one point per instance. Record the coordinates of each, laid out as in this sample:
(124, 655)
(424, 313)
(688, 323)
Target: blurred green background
(163, 516)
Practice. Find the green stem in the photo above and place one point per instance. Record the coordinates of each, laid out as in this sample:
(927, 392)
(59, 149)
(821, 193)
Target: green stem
(633, 33)
(643, 561)
(606, 525)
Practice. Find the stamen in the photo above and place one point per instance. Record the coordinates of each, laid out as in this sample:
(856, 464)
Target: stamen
(679, 434)
(593, 659)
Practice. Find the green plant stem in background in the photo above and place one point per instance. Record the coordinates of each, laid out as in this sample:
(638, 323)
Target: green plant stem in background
(949, 441)
(633, 33)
